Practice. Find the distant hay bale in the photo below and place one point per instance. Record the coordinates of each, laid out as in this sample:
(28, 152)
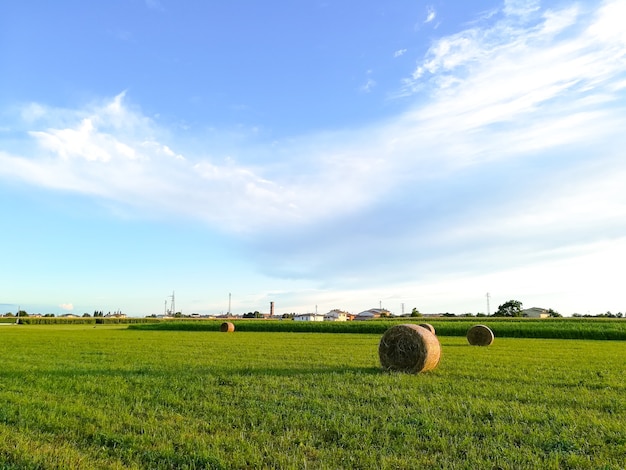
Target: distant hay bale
(429, 327)
(409, 348)
(227, 327)
(480, 335)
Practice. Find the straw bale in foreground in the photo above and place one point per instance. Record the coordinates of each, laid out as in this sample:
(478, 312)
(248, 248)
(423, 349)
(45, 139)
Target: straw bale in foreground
(409, 348)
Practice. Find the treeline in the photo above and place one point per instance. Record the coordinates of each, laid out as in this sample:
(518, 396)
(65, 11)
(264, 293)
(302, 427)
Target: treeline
(80, 320)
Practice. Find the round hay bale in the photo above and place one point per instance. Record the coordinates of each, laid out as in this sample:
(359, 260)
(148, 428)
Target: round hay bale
(409, 348)
(429, 327)
(480, 335)
(227, 327)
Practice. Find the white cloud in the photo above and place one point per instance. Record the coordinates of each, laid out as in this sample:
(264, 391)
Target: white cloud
(369, 85)
(67, 306)
(399, 53)
(499, 92)
(521, 8)
(105, 153)
(83, 142)
(431, 14)
(561, 279)
(32, 112)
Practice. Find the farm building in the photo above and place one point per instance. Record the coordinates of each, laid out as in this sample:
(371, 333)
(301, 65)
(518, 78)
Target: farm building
(336, 315)
(373, 313)
(309, 317)
(535, 312)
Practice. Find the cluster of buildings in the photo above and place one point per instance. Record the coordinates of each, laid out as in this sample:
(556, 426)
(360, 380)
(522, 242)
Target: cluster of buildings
(371, 314)
(339, 315)
(333, 315)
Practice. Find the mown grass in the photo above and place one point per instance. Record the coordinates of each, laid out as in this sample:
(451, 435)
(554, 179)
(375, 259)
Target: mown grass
(557, 328)
(107, 397)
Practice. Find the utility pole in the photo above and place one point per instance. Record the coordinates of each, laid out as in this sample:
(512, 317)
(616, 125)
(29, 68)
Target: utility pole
(229, 299)
(172, 305)
(488, 313)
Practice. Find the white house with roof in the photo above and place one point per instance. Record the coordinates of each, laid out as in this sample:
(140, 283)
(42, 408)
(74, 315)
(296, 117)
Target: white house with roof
(373, 313)
(309, 317)
(535, 312)
(336, 315)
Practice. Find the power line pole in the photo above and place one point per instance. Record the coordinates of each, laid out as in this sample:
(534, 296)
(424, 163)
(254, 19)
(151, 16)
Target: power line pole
(488, 313)
(172, 305)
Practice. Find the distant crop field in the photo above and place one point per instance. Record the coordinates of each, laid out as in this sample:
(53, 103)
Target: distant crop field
(557, 328)
(75, 397)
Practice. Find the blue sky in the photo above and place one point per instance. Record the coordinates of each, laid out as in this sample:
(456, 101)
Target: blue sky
(316, 154)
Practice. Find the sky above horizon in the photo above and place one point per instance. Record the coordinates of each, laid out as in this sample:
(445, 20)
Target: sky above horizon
(315, 154)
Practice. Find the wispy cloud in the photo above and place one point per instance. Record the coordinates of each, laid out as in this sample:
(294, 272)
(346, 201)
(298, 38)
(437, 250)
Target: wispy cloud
(431, 14)
(521, 7)
(369, 85)
(399, 53)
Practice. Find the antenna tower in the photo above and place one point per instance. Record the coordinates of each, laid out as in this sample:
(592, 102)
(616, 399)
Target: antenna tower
(173, 304)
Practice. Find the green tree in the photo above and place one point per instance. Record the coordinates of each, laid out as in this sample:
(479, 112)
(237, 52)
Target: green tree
(255, 314)
(22, 313)
(512, 308)
(554, 313)
(415, 313)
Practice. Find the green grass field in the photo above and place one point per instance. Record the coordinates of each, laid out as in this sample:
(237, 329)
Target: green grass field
(110, 397)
